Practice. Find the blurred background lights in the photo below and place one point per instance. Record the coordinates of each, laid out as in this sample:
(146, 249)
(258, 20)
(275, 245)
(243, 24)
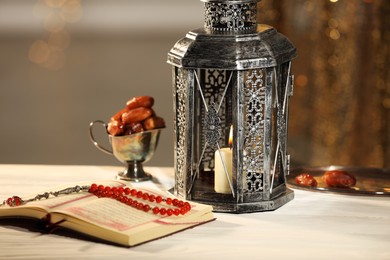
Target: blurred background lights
(56, 14)
(55, 53)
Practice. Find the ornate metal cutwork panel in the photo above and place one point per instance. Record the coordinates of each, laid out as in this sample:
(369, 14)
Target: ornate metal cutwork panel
(180, 97)
(253, 156)
(213, 86)
(230, 16)
(212, 126)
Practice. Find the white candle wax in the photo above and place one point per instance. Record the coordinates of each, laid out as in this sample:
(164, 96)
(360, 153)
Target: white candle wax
(221, 183)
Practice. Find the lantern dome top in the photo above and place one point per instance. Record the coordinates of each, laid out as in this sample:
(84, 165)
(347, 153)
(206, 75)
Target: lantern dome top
(231, 39)
(205, 49)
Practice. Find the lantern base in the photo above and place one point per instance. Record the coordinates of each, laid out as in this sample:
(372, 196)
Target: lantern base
(250, 207)
(267, 205)
(203, 192)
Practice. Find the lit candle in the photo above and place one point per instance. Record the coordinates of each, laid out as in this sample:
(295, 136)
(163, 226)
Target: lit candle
(223, 159)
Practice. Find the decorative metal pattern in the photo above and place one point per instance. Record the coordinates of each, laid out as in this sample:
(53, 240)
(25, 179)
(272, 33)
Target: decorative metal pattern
(215, 82)
(253, 159)
(212, 126)
(180, 96)
(282, 131)
(230, 16)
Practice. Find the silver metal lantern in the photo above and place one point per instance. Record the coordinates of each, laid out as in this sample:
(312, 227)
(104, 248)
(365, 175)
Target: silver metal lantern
(232, 78)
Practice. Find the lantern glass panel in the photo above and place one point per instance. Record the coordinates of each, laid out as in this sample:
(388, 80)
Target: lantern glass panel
(213, 155)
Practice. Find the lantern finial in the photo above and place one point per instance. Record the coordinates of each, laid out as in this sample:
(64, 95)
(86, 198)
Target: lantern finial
(230, 16)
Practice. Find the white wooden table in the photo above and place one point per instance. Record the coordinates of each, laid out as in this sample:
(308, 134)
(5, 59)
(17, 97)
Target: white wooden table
(312, 226)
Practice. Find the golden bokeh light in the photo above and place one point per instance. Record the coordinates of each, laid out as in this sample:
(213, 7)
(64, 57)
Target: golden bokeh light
(71, 11)
(45, 55)
(39, 52)
(334, 34)
(54, 22)
(301, 80)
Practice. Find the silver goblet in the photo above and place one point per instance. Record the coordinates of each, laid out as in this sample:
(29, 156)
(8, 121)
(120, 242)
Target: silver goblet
(132, 150)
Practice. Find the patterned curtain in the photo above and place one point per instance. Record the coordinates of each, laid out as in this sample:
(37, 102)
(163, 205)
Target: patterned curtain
(340, 111)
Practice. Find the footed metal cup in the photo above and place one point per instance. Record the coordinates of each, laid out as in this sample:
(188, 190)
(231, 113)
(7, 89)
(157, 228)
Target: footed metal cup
(132, 150)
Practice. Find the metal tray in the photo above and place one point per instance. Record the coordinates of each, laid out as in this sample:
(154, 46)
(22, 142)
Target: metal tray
(369, 181)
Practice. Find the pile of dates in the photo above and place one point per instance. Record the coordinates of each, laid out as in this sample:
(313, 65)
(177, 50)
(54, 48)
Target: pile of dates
(335, 178)
(137, 116)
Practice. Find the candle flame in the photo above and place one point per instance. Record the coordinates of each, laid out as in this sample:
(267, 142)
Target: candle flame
(230, 142)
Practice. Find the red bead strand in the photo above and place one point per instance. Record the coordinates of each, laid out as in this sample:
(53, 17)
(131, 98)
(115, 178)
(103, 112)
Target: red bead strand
(121, 193)
(131, 197)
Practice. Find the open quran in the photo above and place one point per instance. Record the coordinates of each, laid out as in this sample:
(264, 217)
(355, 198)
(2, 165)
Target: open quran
(108, 219)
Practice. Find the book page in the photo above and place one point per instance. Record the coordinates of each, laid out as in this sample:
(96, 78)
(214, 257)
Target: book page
(115, 221)
(111, 214)
(118, 216)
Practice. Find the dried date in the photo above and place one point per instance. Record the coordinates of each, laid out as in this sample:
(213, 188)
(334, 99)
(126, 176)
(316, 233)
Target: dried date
(133, 128)
(141, 101)
(305, 179)
(115, 128)
(118, 115)
(339, 179)
(153, 123)
(136, 115)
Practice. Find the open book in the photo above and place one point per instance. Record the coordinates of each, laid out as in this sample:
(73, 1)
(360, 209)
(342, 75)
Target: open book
(106, 218)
